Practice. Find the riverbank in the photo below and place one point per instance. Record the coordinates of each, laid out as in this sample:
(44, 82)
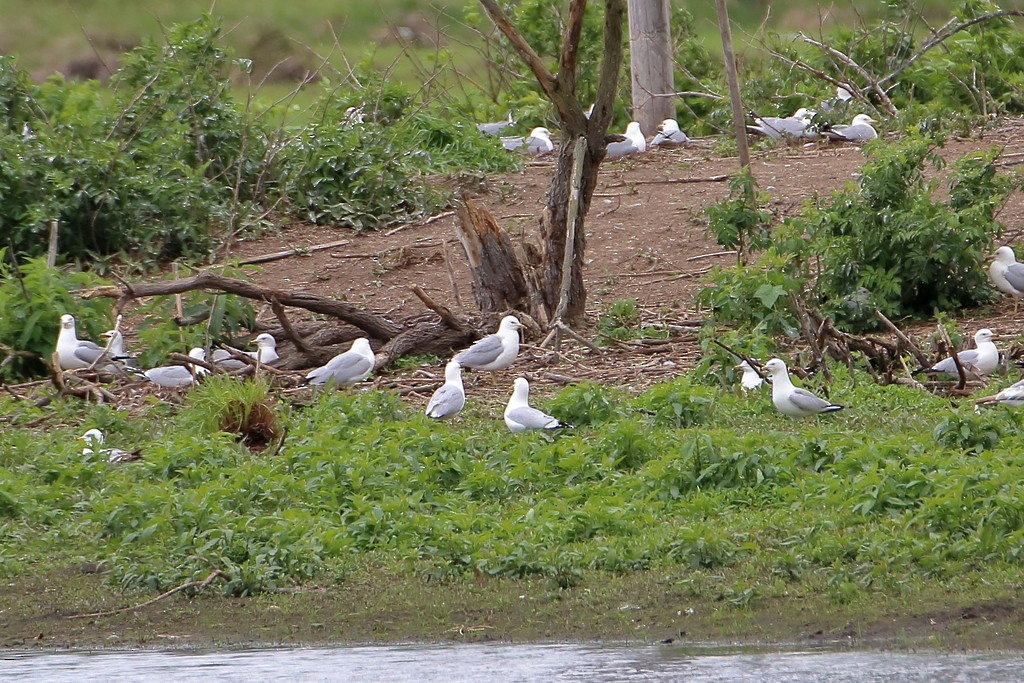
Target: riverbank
(373, 605)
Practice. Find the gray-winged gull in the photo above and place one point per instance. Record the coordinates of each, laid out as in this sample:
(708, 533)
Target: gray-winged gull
(634, 143)
(1012, 396)
(266, 353)
(1007, 275)
(750, 380)
(980, 360)
(496, 127)
(346, 368)
(519, 416)
(93, 442)
(537, 142)
(794, 401)
(669, 134)
(177, 375)
(785, 127)
(450, 397)
(495, 351)
(74, 353)
(858, 130)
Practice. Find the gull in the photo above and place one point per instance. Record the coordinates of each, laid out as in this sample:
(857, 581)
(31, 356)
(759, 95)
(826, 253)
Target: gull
(858, 130)
(519, 416)
(94, 439)
(750, 380)
(981, 360)
(74, 353)
(1012, 396)
(785, 127)
(842, 98)
(791, 400)
(1007, 275)
(177, 375)
(537, 142)
(495, 351)
(346, 368)
(496, 127)
(266, 353)
(634, 143)
(669, 134)
(450, 396)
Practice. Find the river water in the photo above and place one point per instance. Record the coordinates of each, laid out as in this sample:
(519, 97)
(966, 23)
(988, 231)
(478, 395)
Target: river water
(494, 663)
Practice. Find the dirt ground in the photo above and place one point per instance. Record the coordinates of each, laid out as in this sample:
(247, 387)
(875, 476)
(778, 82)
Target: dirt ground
(646, 234)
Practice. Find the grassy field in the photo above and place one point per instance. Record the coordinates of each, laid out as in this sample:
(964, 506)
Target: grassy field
(902, 494)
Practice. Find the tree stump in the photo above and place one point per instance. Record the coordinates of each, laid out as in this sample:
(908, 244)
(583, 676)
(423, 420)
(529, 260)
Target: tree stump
(498, 281)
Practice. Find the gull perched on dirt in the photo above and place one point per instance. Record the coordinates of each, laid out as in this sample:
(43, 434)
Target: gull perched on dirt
(785, 127)
(634, 143)
(495, 351)
(496, 127)
(980, 360)
(858, 130)
(1012, 396)
(750, 380)
(74, 353)
(669, 134)
(791, 400)
(177, 375)
(537, 142)
(450, 397)
(519, 416)
(346, 368)
(94, 440)
(1007, 275)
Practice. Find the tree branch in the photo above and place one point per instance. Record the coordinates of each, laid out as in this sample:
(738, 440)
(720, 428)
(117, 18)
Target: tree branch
(883, 97)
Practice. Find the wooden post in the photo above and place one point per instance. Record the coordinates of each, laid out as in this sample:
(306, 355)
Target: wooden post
(738, 116)
(51, 251)
(650, 61)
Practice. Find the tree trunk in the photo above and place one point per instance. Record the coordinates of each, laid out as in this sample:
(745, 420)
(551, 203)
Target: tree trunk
(561, 90)
(651, 64)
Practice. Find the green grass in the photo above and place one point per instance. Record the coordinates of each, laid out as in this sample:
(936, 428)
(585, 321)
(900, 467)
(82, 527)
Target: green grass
(901, 487)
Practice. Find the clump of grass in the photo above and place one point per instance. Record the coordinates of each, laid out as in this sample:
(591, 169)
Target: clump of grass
(242, 408)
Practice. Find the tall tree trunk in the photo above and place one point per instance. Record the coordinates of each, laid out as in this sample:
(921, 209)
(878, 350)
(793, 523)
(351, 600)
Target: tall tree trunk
(561, 90)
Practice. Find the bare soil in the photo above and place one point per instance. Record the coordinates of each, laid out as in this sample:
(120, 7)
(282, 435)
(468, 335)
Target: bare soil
(646, 230)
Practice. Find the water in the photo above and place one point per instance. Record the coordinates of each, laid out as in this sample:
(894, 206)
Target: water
(492, 663)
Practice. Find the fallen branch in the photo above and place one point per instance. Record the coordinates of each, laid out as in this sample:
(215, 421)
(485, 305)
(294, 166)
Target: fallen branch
(294, 251)
(205, 583)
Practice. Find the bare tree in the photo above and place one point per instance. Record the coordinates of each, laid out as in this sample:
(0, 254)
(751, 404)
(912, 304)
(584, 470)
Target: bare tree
(560, 88)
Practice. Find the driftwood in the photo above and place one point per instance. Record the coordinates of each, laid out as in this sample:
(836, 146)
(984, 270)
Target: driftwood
(315, 345)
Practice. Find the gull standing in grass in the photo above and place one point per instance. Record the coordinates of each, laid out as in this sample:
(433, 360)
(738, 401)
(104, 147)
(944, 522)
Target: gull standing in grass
(346, 368)
(634, 143)
(858, 130)
(1012, 396)
(94, 440)
(791, 400)
(519, 416)
(174, 376)
(980, 360)
(74, 353)
(495, 351)
(669, 134)
(537, 142)
(1007, 275)
(450, 397)
(750, 380)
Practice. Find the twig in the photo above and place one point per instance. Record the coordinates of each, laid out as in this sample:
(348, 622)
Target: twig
(956, 358)
(755, 366)
(679, 181)
(451, 272)
(446, 315)
(295, 251)
(286, 325)
(918, 353)
(711, 255)
(205, 583)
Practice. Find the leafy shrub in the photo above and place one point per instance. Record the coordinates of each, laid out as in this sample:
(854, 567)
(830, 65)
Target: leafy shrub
(738, 222)
(32, 298)
(585, 403)
(676, 404)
